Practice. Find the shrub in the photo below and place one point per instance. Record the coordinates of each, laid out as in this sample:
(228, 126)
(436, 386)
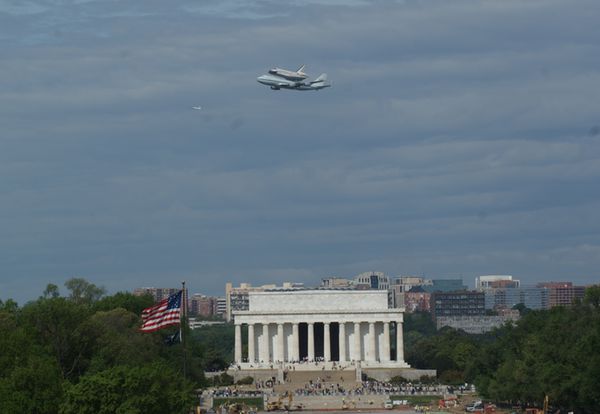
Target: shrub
(246, 381)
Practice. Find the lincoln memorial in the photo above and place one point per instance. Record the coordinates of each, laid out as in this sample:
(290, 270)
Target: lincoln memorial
(319, 329)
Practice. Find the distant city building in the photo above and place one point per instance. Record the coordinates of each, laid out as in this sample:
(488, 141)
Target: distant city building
(417, 300)
(202, 305)
(420, 290)
(336, 282)
(496, 281)
(532, 297)
(477, 324)
(236, 298)
(401, 284)
(465, 303)
(157, 293)
(372, 281)
(562, 293)
(221, 306)
(376, 281)
(513, 313)
(405, 283)
(445, 285)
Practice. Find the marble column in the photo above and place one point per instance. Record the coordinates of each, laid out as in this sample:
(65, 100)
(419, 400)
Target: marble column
(386, 343)
(295, 343)
(342, 342)
(264, 344)
(372, 349)
(399, 343)
(311, 342)
(280, 347)
(357, 352)
(326, 342)
(238, 343)
(251, 353)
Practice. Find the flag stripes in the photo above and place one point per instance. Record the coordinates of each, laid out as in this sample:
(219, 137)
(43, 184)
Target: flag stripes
(165, 313)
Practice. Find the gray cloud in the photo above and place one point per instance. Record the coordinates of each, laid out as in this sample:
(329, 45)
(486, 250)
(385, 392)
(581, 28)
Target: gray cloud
(458, 139)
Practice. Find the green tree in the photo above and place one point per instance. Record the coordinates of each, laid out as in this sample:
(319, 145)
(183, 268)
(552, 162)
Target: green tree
(125, 300)
(51, 291)
(30, 379)
(33, 386)
(550, 353)
(146, 389)
(592, 296)
(523, 310)
(420, 322)
(83, 291)
(56, 345)
(216, 345)
(9, 306)
(117, 340)
(57, 325)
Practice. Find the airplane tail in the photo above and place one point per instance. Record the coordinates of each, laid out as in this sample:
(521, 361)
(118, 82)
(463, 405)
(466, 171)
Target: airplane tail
(301, 69)
(322, 78)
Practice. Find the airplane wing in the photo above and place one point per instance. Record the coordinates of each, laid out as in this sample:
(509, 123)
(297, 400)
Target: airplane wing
(197, 108)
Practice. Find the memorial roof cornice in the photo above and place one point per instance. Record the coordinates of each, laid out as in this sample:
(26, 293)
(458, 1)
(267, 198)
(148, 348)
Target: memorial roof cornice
(322, 312)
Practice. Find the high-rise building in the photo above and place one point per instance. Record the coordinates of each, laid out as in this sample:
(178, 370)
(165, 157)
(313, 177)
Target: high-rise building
(465, 303)
(562, 293)
(202, 305)
(403, 284)
(157, 293)
(506, 297)
(336, 283)
(445, 285)
(414, 292)
(496, 281)
(372, 281)
(417, 300)
(221, 306)
(376, 281)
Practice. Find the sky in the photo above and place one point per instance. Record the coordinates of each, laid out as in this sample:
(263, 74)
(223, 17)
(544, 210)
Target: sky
(459, 138)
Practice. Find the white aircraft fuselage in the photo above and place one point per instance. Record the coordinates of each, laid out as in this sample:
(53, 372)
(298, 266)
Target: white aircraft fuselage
(278, 82)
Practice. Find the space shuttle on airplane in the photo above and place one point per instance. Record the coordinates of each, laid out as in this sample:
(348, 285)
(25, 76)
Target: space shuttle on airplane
(276, 82)
(298, 75)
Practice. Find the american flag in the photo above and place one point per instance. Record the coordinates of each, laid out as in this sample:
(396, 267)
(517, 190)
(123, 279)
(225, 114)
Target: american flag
(165, 313)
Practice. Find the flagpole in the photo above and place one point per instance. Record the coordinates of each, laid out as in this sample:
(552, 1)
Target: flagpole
(181, 328)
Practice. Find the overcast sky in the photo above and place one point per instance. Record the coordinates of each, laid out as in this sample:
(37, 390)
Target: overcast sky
(459, 138)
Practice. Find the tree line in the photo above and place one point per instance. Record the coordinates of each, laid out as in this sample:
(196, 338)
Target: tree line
(83, 353)
(552, 352)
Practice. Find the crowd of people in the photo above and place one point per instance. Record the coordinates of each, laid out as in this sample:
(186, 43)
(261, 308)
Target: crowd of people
(292, 364)
(323, 386)
(227, 392)
(371, 387)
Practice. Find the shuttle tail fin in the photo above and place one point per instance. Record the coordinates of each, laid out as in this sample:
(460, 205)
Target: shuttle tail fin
(301, 69)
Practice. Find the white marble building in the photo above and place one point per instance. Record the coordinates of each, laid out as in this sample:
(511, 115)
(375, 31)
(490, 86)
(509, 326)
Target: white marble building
(320, 326)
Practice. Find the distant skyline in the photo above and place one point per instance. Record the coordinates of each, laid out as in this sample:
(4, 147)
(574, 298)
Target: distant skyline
(458, 139)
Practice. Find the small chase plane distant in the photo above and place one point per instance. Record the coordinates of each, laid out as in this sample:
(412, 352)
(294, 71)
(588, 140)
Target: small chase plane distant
(285, 79)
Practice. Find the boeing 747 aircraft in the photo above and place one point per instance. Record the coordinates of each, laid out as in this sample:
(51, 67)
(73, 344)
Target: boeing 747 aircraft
(277, 82)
